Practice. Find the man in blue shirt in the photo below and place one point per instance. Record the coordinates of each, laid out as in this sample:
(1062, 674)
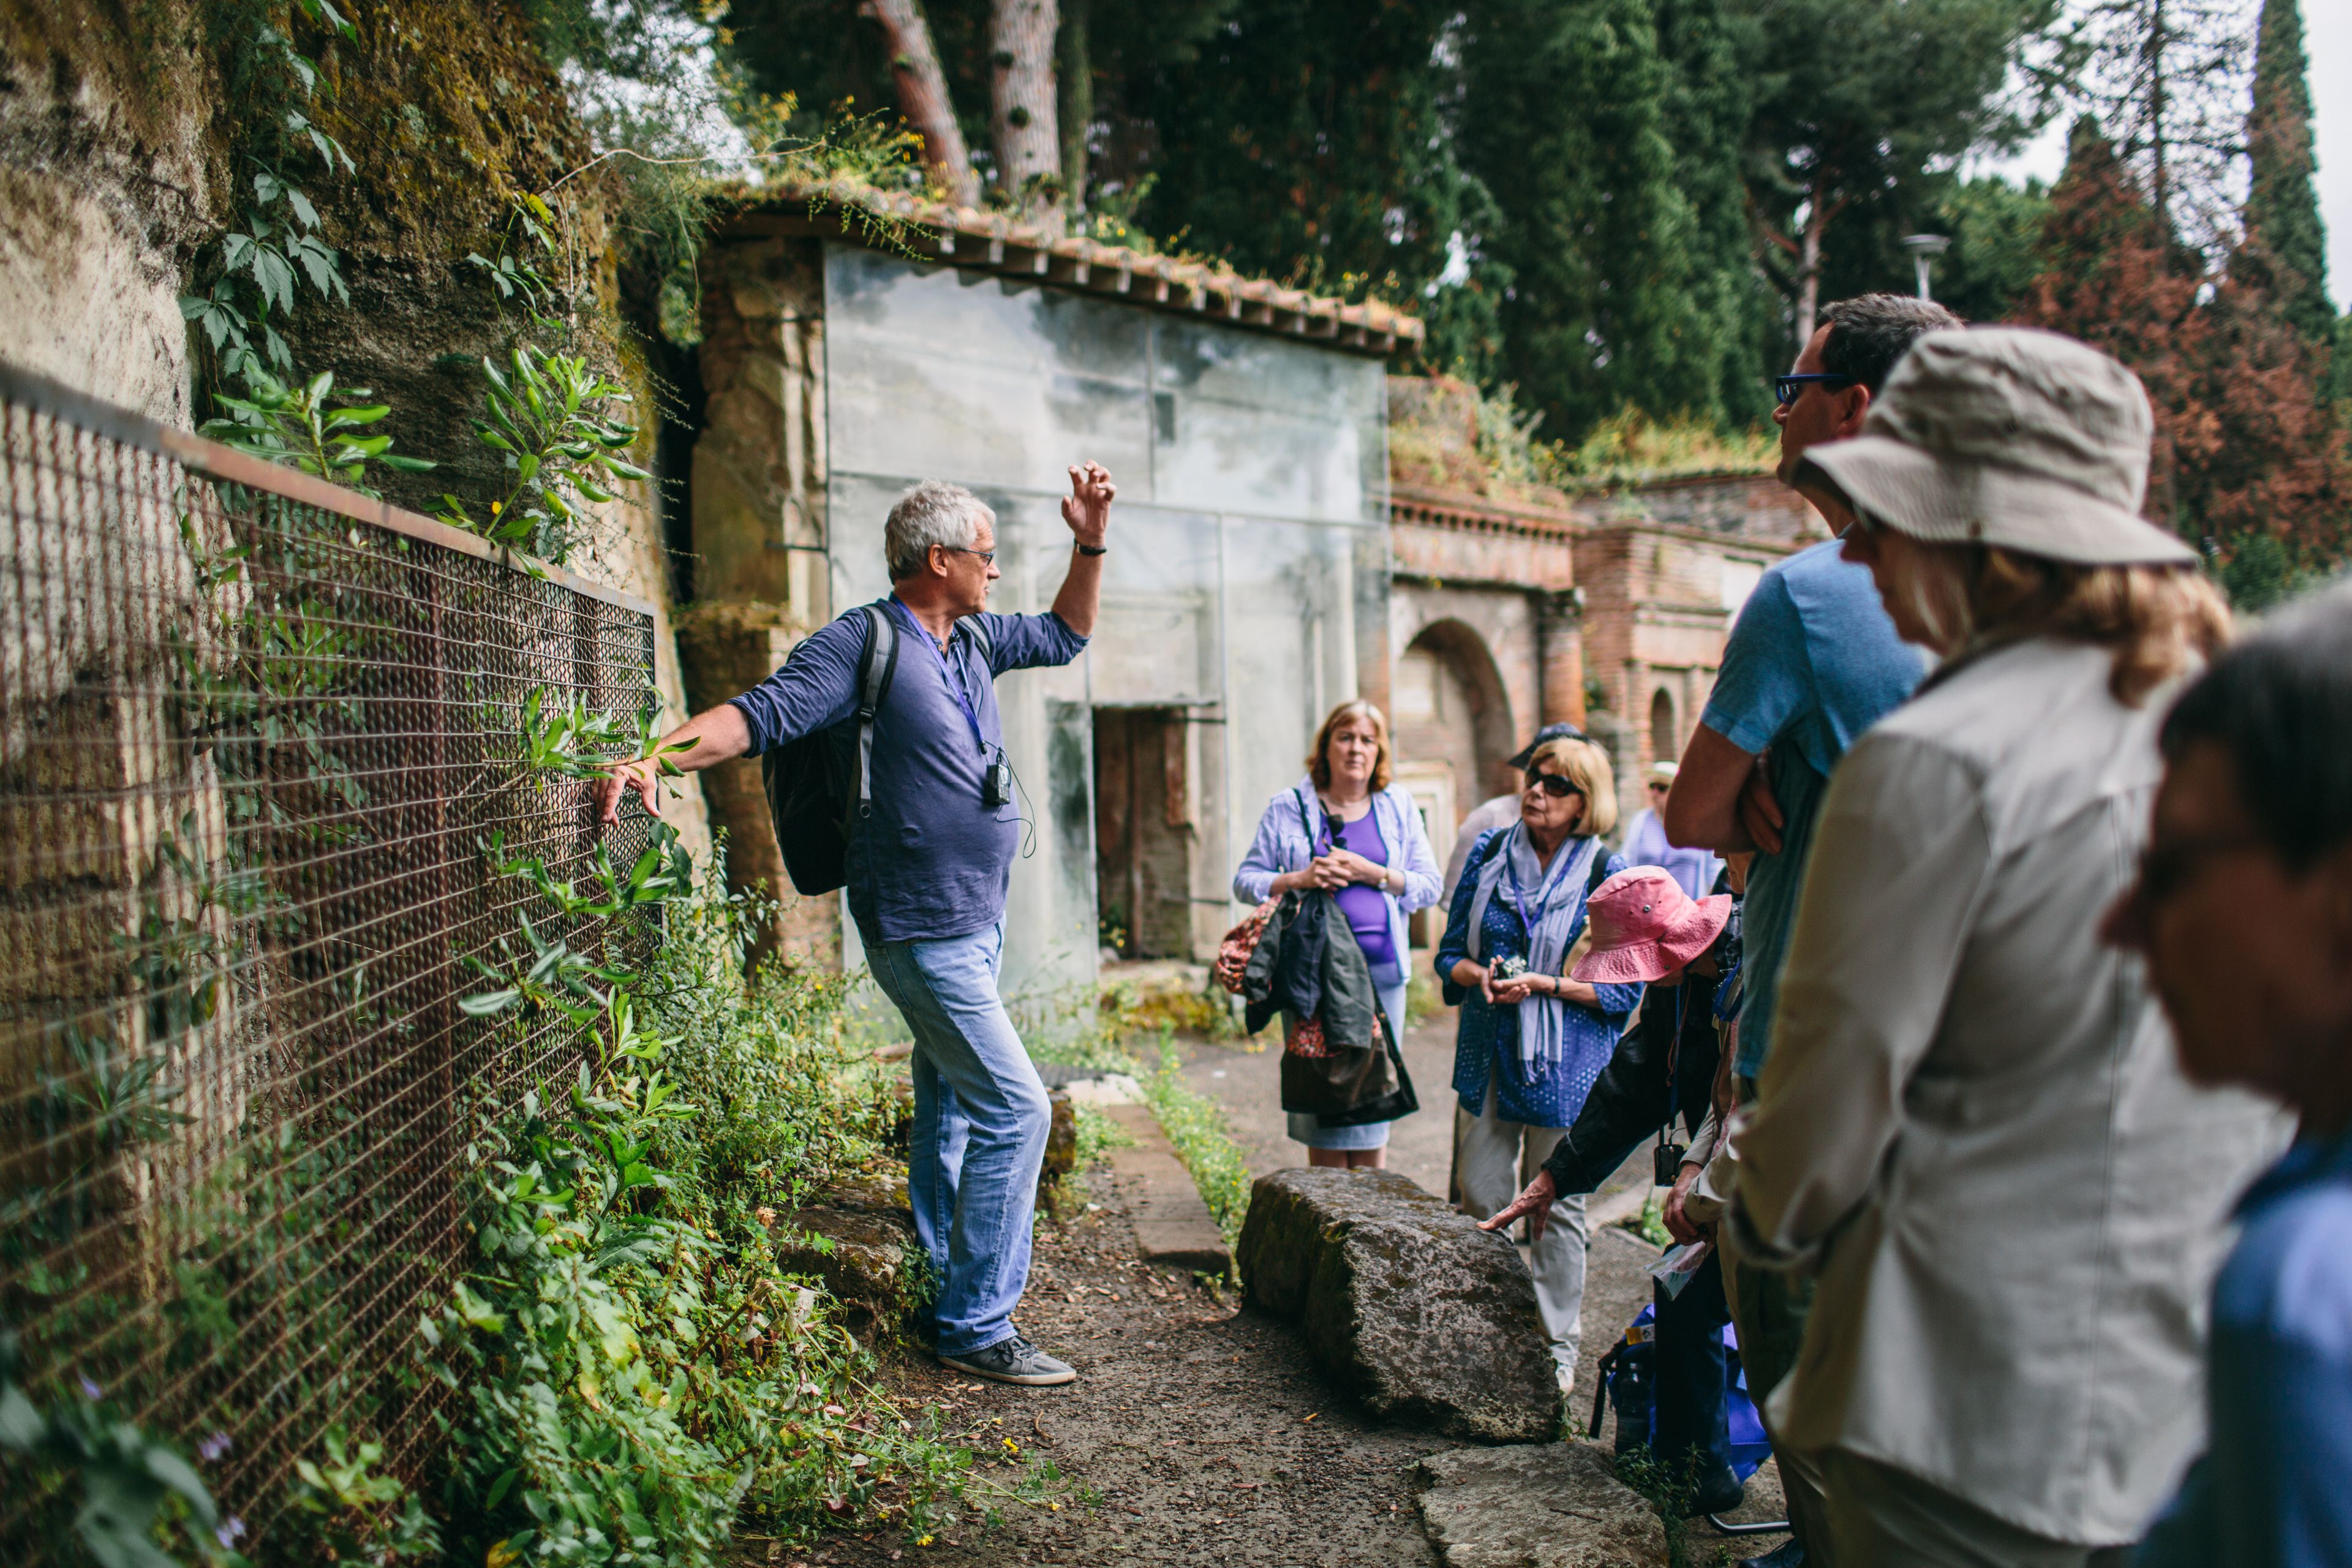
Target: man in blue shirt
(928, 869)
(1811, 662)
(2243, 913)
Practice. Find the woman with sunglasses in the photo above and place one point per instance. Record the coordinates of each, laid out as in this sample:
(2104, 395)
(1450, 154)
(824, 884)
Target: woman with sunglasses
(1344, 829)
(1530, 1041)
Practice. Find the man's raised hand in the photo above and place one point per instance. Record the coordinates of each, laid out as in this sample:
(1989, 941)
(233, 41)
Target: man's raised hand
(1087, 509)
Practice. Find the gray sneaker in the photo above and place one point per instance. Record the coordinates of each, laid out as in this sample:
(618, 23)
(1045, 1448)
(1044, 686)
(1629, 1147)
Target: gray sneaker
(1014, 1361)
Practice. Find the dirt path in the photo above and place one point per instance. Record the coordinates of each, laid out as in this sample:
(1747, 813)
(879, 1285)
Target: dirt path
(1209, 1438)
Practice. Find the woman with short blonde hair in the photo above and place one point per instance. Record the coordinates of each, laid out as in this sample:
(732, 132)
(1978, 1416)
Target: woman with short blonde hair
(1344, 829)
(1530, 1042)
(1971, 1127)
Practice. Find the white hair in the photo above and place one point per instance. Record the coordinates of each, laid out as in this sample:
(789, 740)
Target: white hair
(933, 512)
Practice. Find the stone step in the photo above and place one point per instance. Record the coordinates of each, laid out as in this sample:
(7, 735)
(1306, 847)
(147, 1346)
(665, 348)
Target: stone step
(1172, 1224)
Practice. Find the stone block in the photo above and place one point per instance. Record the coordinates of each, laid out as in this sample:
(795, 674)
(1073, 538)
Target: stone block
(1556, 1505)
(871, 1233)
(1403, 1303)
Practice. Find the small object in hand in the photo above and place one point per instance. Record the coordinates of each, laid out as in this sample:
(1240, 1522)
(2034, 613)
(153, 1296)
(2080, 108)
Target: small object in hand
(1509, 968)
(1668, 1168)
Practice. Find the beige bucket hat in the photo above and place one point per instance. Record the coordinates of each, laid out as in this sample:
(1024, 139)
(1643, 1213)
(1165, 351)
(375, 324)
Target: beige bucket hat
(2010, 436)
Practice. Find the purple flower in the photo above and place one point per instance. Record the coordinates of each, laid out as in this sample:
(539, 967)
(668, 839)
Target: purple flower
(90, 1390)
(229, 1534)
(211, 1449)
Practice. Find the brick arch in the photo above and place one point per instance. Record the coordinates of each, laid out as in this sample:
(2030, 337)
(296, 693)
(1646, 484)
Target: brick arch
(1473, 725)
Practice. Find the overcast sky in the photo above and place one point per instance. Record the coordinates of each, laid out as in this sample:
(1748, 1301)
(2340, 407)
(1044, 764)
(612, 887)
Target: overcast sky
(2327, 37)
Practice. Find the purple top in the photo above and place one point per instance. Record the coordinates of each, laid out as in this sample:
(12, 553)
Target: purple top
(1366, 907)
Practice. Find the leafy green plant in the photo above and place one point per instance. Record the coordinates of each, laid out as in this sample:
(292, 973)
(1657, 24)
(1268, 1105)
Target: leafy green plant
(143, 1504)
(344, 1511)
(631, 1363)
(274, 243)
(550, 415)
(310, 427)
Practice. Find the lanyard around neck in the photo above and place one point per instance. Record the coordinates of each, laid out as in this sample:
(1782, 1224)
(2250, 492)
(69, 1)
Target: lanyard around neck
(1545, 888)
(955, 686)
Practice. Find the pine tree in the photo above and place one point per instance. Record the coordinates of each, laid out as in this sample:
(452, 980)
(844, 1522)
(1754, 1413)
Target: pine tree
(2285, 237)
(1859, 102)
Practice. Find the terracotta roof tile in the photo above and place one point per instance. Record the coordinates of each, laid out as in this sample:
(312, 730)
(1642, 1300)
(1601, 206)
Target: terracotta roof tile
(994, 242)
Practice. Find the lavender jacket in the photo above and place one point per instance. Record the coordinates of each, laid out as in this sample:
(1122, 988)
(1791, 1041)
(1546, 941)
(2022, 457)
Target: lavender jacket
(1284, 844)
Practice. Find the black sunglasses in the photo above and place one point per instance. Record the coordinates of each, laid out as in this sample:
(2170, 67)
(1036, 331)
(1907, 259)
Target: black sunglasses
(1788, 388)
(1552, 785)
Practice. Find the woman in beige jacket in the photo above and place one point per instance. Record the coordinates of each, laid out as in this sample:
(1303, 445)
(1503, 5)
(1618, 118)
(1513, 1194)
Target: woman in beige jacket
(1971, 1123)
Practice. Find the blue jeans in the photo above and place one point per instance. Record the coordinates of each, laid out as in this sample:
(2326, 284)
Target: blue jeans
(980, 1121)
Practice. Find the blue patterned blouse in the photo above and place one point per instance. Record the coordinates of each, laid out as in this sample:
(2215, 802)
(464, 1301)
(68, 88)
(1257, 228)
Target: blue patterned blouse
(1487, 1040)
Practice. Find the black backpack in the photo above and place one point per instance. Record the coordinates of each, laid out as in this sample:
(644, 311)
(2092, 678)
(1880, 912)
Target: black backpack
(821, 782)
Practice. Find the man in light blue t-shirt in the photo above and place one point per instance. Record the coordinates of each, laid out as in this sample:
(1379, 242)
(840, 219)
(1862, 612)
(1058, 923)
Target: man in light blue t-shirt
(1811, 662)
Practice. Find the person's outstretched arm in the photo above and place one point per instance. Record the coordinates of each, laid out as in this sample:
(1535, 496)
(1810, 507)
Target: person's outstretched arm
(718, 735)
(816, 687)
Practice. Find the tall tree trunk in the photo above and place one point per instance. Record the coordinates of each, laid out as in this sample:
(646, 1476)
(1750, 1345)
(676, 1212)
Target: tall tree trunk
(1021, 89)
(1809, 269)
(923, 96)
(2159, 195)
(1078, 86)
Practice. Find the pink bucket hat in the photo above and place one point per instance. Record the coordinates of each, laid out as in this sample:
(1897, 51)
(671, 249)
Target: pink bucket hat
(1645, 926)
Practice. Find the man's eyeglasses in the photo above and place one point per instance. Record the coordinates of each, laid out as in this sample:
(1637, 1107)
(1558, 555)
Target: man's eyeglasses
(1788, 388)
(1552, 785)
(987, 557)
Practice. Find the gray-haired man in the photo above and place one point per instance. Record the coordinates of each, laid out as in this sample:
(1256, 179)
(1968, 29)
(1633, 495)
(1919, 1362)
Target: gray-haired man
(926, 875)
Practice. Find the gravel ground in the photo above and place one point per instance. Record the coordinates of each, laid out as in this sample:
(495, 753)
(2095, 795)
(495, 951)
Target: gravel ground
(1206, 1434)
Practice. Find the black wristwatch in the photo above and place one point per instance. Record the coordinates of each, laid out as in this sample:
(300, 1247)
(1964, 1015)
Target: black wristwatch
(1094, 549)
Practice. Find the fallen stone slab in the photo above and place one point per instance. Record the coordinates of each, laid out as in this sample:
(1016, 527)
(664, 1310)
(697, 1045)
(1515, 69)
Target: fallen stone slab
(1555, 1505)
(1173, 1224)
(1404, 1303)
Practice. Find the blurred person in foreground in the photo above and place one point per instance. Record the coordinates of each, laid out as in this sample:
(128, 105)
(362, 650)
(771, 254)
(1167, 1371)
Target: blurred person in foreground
(2243, 914)
(928, 860)
(1812, 661)
(1971, 1127)
(1529, 1041)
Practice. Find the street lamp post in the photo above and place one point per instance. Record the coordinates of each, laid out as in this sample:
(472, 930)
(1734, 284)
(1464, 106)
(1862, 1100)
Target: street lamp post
(1924, 250)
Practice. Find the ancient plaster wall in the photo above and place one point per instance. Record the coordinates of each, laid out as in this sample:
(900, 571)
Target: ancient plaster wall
(103, 177)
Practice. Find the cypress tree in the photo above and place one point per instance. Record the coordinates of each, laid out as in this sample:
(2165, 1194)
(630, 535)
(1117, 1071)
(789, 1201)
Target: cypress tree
(1613, 169)
(2284, 236)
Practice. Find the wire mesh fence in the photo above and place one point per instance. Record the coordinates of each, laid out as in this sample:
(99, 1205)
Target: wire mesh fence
(255, 732)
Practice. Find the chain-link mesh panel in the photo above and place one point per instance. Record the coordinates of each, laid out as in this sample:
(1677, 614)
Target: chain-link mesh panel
(254, 732)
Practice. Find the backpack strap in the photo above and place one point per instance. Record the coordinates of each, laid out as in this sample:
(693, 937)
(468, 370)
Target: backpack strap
(979, 625)
(1599, 872)
(878, 663)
